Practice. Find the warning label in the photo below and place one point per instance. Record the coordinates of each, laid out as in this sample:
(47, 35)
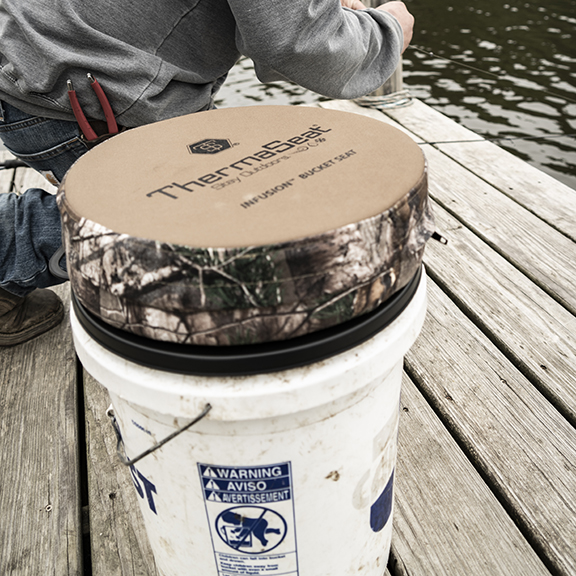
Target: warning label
(250, 511)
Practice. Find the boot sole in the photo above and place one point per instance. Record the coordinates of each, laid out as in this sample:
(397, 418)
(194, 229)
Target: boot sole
(36, 330)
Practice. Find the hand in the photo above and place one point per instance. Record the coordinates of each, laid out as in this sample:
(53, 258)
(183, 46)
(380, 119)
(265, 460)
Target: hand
(406, 20)
(354, 4)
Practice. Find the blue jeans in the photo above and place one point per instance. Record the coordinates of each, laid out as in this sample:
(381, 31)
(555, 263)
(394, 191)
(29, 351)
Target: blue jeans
(30, 229)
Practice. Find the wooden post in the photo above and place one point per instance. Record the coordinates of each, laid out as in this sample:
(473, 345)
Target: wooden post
(394, 83)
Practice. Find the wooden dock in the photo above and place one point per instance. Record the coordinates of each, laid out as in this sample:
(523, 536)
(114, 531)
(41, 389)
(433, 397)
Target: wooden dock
(486, 475)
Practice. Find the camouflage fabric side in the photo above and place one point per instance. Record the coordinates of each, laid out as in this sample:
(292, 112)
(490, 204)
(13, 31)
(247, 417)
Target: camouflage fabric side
(215, 296)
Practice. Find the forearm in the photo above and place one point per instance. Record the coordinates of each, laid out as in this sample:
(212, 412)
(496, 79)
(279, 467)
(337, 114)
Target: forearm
(340, 53)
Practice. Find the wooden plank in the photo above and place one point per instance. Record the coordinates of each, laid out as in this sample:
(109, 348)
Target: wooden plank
(26, 178)
(446, 520)
(522, 445)
(20, 179)
(533, 330)
(118, 540)
(544, 254)
(6, 176)
(350, 106)
(40, 532)
(530, 187)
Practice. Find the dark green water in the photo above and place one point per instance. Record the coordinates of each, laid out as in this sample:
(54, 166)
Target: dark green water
(519, 79)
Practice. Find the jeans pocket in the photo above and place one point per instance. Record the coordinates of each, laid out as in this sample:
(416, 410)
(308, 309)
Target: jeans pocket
(56, 160)
(45, 144)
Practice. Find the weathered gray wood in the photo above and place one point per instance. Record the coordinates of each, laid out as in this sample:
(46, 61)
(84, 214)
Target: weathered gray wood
(118, 540)
(353, 108)
(533, 330)
(542, 253)
(532, 188)
(6, 176)
(525, 448)
(20, 179)
(26, 178)
(40, 530)
(446, 520)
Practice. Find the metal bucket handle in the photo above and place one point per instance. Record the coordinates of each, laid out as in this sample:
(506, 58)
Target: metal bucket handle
(120, 445)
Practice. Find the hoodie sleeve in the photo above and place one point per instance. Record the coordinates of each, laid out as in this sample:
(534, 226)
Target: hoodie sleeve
(334, 51)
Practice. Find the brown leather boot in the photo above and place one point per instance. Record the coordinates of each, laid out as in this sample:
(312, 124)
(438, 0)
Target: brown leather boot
(24, 318)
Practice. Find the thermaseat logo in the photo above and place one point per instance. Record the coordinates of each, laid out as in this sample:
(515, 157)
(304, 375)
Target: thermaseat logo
(251, 162)
(209, 146)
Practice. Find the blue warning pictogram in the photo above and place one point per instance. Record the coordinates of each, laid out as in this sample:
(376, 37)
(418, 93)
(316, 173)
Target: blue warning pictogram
(251, 529)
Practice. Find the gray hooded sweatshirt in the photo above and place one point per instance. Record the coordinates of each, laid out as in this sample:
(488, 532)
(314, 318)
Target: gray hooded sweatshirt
(157, 60)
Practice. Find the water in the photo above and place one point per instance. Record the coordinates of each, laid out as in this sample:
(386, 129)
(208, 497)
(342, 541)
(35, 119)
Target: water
(523, 83)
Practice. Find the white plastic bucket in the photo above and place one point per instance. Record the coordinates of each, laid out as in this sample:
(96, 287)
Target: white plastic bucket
(290, 473)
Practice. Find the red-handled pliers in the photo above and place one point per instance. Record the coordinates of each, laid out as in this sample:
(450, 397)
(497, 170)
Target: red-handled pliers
(85, 127)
